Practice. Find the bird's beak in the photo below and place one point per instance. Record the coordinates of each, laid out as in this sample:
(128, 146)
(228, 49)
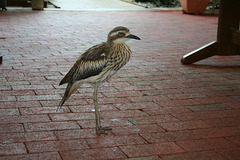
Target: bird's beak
(133, 37)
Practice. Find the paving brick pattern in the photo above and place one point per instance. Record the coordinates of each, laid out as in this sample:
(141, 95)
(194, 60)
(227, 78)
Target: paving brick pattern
(158, 108)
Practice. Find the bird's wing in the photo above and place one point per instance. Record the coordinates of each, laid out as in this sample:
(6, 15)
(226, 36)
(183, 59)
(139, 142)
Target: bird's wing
(89, 64)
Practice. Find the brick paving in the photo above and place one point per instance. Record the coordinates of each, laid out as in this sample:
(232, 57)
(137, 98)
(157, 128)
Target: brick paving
(95, 5)
(158, 108)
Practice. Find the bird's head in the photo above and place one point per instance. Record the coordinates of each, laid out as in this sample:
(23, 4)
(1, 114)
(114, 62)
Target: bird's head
(121, 35)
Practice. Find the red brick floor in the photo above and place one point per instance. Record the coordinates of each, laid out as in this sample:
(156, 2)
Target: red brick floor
(157, 107)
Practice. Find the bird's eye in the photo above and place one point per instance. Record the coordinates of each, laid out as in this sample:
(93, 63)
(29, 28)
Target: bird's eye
(120, 34)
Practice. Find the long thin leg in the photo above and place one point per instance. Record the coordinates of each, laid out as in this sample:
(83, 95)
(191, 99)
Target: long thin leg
(99, 128)
(96, 106)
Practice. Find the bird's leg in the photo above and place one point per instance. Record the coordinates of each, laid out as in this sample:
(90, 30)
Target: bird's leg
(97, 118)
(99, 128)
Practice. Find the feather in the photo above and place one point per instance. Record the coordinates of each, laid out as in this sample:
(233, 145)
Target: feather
(71, 88)
(89, 64)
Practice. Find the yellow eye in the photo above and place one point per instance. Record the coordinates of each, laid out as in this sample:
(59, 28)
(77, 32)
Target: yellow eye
(120, 34)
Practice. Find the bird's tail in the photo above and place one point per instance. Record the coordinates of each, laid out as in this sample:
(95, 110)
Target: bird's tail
(71, 88)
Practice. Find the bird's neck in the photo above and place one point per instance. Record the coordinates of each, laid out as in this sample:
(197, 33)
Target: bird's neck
(121, 49)
(119, 44)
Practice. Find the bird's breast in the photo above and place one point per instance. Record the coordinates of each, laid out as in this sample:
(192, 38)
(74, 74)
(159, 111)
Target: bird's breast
(120, 55)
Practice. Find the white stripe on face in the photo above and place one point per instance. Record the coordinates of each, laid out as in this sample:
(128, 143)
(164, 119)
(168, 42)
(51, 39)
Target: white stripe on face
(115, 33)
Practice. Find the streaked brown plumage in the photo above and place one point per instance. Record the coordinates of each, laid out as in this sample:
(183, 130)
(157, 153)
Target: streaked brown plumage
(98, 64)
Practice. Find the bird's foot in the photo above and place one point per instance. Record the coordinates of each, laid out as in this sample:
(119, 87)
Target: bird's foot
(101, 130)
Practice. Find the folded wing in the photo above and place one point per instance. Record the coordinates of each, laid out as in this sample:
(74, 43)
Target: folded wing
(91, 63)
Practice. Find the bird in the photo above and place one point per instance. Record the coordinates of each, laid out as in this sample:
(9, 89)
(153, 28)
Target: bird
(97, 65)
